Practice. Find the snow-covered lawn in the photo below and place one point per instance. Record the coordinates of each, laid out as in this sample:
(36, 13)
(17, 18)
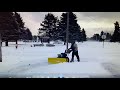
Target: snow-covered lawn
(27, 61)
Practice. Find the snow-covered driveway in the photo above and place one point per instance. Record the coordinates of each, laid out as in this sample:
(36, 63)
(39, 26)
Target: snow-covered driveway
(27, 61)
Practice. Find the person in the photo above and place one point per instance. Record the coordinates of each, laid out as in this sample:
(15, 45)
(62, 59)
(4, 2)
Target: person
(16, 46)
(74, 49)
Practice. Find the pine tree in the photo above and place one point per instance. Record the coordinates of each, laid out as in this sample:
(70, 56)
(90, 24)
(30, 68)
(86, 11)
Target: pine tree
(34, 38)
(108, 36)
(116, 35)
(21, 25)
(49, 26)
(29, 34)
(83, 35)
(74, 28)
(19, 20)
(78, 35)
(102, 33)
(8, 26)
(25, 33)
(96, 37)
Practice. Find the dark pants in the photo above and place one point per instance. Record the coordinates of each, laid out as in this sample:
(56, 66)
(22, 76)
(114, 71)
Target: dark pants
(75, 54)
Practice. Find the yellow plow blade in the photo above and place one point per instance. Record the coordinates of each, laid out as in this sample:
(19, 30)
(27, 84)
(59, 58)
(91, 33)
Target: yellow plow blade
(56, 60)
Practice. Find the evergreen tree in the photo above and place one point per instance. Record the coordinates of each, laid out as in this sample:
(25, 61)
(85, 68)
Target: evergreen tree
(29, 34)
(79, 35)
(108, 36)
(83, 35)
(21, 25)
(102, 33)
(116, 35)
(25, 33)
(96, 37)
(8, 27)
(19, 20)
(49, 26)
(34, 38)
(74, 28)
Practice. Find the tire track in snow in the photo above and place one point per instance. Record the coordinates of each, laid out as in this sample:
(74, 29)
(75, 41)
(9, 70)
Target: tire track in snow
(23, 68)
(114, 69)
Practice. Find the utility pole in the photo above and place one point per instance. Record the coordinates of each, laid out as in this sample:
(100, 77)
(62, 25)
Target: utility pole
(0, 48)
(67, 31)
(103, 37)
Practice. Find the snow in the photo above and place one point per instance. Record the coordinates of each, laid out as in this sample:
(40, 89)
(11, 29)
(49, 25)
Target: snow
(75, 69)
(27, 61)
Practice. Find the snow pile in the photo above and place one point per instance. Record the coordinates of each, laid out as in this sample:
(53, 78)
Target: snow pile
(50, 45)
(57, 42)
(85, 69)
(38, 45)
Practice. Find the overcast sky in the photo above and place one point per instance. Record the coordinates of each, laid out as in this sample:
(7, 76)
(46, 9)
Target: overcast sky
(92, 22)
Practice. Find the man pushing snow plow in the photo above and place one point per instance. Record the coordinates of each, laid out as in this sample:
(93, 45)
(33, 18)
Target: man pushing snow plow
(63, 56)
(73, 49)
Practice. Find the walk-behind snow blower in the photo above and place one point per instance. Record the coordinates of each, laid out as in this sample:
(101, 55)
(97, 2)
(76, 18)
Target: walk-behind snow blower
(61, 58)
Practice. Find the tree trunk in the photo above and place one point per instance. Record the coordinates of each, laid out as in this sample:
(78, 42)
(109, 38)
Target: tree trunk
(16, 42)
(0, 49)
(6, 43)
(1, 43)
(67, 31)
(41, 40)
(64, 43)
(48, 40)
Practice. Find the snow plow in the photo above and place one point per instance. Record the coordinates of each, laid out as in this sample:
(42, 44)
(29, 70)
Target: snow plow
(57, 60)
(60, 59)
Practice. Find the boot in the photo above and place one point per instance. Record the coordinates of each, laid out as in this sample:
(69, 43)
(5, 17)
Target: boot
(71, 61)
(79, 60)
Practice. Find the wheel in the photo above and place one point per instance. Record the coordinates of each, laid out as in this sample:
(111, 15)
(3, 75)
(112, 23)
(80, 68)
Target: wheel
(67, 59)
